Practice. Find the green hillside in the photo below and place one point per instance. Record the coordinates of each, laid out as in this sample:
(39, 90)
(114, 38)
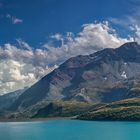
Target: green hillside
(126, 110)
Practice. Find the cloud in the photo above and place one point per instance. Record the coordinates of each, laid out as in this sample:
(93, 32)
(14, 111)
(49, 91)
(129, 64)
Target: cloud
(125, 21)
(20, 67)
(130, 19)
(24, 45)
(93, 37)
(23, 65)
(14, 19)
(58, 37)
(136, 29)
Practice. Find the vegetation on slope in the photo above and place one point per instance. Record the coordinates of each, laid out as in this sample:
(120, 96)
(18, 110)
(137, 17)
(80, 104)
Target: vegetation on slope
(55, 109)
(126, 110)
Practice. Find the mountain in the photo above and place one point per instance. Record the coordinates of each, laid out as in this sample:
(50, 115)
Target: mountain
(8, 99)
(103, 77)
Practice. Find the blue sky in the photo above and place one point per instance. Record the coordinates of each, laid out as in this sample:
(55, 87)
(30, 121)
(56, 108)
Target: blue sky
(36, 36)
(42, 18)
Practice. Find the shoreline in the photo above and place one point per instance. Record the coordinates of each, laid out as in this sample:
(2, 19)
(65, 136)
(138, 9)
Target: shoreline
(59, 118)
(35, 119)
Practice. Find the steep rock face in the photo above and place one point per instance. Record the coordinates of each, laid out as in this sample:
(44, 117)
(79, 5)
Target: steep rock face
(104, 76)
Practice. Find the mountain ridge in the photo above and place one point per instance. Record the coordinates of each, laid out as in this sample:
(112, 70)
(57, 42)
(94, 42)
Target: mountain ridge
(104, 76)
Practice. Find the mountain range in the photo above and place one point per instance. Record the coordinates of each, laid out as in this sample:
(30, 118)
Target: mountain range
(103, 77)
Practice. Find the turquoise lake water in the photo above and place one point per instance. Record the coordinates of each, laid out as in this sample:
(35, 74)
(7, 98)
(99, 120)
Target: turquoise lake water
(70, 130)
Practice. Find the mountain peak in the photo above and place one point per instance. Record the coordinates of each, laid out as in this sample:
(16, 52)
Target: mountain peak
(129, 52)
(130, 45)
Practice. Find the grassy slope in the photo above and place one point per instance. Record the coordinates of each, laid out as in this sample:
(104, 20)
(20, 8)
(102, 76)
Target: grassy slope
(56, 109)
(125, 110)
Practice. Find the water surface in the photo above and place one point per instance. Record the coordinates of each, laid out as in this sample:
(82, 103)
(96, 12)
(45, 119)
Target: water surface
(70, 130)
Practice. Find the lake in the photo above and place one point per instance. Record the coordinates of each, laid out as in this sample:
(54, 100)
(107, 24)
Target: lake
(70, 130)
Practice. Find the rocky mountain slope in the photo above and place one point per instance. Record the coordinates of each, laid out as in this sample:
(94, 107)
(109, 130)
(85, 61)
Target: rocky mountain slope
(103, 77)
(8, 99)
